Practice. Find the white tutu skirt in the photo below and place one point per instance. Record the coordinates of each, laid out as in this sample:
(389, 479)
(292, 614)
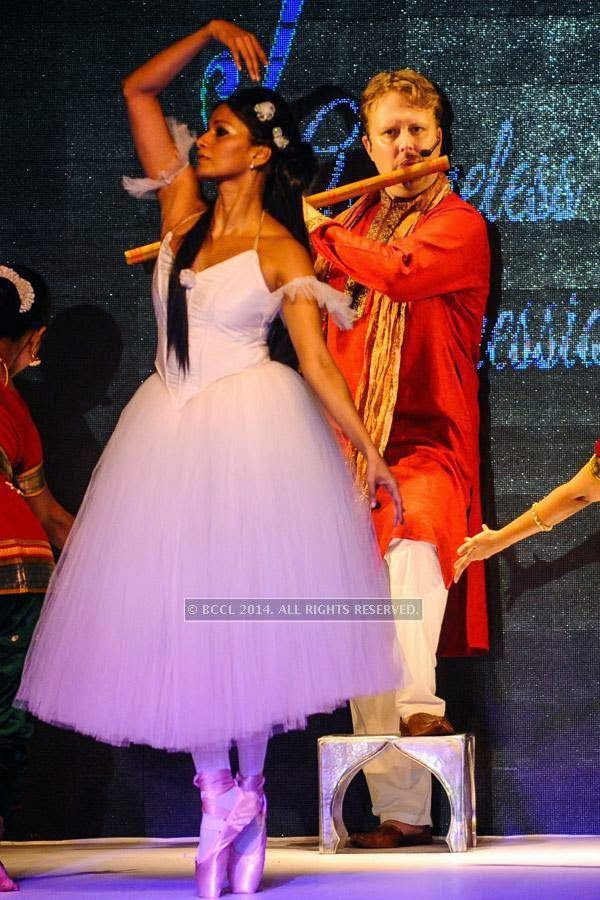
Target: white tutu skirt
(243, 493)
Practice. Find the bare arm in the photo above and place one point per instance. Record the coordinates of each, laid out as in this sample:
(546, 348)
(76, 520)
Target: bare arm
(56, 520)
(561, 503)
(153, 142)
(303, 321)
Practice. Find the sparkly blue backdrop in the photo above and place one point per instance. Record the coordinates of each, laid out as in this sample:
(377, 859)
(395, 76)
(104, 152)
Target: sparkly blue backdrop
(523, 80)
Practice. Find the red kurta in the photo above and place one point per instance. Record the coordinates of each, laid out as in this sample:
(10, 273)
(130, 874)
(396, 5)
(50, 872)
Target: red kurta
(442, 270)
(26, 560)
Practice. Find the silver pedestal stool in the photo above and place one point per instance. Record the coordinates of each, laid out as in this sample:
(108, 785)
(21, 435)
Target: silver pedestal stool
(450, 758)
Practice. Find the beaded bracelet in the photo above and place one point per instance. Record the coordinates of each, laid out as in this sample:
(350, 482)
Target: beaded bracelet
(540, 524)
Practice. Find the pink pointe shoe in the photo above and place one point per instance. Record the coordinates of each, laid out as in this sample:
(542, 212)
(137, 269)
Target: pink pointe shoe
(246, 867)
(211, 872)
(7, 885)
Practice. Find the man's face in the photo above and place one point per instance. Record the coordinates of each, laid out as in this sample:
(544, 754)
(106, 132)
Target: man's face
(396, 135)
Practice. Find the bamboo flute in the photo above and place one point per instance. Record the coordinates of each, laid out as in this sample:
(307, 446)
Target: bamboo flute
(332, 196)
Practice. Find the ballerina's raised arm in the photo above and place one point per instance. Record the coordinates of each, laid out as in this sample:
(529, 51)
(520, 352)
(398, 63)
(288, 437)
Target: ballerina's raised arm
(155, 145)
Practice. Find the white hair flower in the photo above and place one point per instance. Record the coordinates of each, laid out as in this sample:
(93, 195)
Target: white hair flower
(279, 138)
(264, 111)
(24, 288)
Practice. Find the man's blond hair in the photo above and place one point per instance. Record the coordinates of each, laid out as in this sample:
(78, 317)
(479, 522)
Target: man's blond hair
(415, 89)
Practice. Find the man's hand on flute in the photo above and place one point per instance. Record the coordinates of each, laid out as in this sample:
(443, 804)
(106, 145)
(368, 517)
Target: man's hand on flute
(312, 217)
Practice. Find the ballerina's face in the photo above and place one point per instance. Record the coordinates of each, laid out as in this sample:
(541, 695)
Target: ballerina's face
(226, 150)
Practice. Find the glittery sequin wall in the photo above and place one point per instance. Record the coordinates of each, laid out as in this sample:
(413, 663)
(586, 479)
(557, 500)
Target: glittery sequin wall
(523, 81)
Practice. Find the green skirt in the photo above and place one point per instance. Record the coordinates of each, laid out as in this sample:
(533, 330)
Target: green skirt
(18, 617)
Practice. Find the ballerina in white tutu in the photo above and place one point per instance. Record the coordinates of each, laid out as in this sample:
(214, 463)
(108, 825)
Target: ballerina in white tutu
(223, 480)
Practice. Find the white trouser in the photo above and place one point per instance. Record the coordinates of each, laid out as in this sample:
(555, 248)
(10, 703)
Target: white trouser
(401, 789)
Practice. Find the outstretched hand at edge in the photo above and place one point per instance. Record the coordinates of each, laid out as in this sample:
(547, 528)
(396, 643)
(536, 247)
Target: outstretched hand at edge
(481, 546)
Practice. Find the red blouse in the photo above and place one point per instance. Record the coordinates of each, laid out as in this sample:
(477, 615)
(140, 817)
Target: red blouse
(26, 560)
(442, 270)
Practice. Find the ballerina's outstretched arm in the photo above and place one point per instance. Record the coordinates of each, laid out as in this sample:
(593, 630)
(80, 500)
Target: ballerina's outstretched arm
(559, 504)
(154, 143)
(303, 321)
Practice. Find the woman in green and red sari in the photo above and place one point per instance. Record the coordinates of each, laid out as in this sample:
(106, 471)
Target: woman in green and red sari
(30, 520)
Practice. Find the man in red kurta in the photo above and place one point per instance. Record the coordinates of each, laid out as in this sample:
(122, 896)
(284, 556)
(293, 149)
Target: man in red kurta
(416, 260)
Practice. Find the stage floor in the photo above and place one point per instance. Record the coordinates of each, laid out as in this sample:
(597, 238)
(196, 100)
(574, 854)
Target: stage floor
(547, 866)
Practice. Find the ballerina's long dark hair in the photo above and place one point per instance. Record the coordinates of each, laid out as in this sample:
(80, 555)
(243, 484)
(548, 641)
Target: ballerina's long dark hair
(289, 172)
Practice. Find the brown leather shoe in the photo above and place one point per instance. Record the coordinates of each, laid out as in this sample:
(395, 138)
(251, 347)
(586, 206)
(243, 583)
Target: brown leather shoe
(387, 836)
(425, 725)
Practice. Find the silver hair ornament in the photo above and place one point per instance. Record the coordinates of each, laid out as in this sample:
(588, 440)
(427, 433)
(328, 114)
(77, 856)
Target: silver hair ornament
(24, 288)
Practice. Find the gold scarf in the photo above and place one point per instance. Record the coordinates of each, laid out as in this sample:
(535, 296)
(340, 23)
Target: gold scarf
(377, 390)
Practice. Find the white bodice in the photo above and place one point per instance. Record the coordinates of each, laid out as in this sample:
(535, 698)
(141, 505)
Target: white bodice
(230, 309)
